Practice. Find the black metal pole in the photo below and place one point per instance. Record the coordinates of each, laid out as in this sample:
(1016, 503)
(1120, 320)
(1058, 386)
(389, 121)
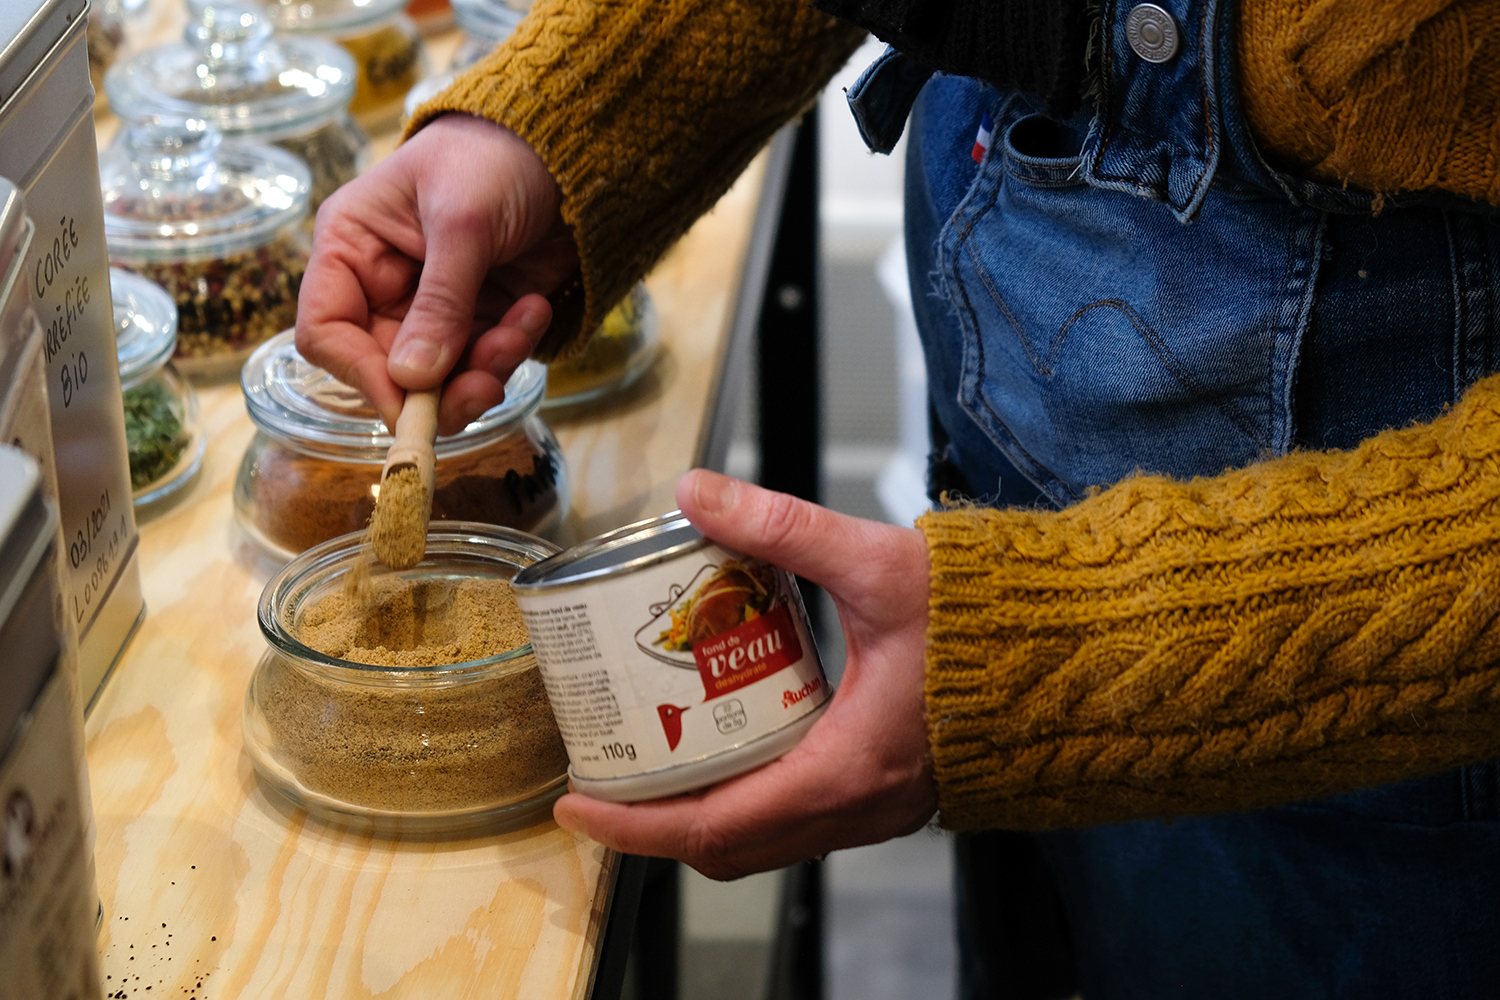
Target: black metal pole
(791, 435)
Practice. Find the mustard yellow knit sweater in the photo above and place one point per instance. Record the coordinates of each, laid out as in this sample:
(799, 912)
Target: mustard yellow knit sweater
(1311, 624)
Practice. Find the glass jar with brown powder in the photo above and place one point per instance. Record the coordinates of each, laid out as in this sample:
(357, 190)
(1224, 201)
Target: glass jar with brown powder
(312, 472)
(412, 702)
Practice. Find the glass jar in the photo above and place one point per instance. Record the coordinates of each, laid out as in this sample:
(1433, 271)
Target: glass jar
(389, 56)
(620, 351)
(163, 434)
(103, 36)
(430, 16)
(312, 471)
(417, 748)
(485, 24)
(230, 72)
(218, 225)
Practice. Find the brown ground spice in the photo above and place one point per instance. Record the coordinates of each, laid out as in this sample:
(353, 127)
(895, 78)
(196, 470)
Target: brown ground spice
(465, 746)
(301, 500)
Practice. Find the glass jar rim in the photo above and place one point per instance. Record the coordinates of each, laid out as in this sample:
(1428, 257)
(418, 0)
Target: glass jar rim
(295, 401)
(322, 16)
(145, 326)
(337, 555)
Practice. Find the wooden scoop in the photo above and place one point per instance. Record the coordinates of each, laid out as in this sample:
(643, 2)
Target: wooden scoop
(398, 528)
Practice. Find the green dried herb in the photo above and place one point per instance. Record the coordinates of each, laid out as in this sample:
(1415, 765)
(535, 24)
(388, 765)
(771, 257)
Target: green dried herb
(154, 434)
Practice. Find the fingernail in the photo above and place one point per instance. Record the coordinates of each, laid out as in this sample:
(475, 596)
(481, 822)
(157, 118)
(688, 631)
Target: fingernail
(715, 494)
(417, 355)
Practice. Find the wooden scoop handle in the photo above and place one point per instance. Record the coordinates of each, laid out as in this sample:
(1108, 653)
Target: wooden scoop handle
(416, 430)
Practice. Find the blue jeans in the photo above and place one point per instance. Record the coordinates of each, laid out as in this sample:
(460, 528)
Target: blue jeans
(1138, 290)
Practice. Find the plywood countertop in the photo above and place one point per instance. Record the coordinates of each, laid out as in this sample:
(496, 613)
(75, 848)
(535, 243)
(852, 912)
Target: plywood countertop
(215, 887)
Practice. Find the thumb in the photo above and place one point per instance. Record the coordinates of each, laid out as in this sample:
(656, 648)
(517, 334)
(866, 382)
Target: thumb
(435, 331)
(801, 537)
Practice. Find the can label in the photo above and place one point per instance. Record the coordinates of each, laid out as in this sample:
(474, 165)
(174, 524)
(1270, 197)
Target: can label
(675, 662)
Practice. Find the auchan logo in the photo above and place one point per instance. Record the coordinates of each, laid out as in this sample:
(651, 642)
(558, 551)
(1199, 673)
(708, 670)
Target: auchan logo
(748, 652)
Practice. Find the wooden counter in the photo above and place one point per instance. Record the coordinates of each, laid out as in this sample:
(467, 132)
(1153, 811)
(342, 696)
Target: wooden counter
(215, 887)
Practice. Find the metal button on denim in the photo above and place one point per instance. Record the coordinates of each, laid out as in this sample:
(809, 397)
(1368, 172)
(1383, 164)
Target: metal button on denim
(1152, 33)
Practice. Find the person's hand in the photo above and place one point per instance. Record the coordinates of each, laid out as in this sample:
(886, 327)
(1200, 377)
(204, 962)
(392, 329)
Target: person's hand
(436, 261)
(863, 773)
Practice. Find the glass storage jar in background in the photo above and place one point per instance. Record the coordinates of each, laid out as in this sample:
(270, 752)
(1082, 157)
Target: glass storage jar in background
(388, 53)
(620, 351)
(103, 37)
(424, 748)
(485, 24)
(163, 433)
(430, 16)
(218, 224)
(312, 471)
(229, 71)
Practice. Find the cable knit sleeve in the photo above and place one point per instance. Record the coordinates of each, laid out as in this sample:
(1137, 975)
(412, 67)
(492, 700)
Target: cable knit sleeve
(645, 111)
(1385, 95)
(1308, 625)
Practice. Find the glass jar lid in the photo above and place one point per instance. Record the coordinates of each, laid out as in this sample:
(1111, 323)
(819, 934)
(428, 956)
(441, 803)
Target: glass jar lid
(491, 20)
(328, 15)
(145, 325)
(231, 72)
(297, 402)
(174, 190)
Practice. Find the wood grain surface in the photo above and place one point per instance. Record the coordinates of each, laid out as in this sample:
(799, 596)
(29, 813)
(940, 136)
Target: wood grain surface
(213, 886)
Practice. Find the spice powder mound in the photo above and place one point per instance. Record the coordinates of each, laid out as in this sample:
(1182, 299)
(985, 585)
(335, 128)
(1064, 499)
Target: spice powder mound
(463, 746)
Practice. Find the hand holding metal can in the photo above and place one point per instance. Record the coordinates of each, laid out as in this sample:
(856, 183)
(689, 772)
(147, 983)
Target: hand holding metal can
(671, 663)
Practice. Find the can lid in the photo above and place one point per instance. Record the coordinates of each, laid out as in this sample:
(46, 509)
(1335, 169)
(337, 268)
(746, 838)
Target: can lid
(624, 550)
(13, 235)
(28, 31)
(145, 325)
(27, 524)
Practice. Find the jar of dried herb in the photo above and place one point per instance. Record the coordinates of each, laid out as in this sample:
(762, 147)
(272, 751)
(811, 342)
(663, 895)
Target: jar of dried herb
(412, 702)
(218, 224)
(229, 71)
(620, 352)
(163, 432)
(312, 471)
(388, 53)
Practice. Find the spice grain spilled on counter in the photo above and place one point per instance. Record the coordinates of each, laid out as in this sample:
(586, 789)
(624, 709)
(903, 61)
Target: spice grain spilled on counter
(425, 749)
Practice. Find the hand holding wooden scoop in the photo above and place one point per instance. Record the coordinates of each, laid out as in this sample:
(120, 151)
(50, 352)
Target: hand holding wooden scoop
(398, 528)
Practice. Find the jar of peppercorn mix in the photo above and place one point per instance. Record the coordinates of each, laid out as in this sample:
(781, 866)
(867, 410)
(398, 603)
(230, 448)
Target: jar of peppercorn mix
(217, 224)
(312, 471)
(163, 433)
(389, 56)
(229, 71)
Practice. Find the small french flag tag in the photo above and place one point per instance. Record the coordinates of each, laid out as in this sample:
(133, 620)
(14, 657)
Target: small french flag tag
(982, 140)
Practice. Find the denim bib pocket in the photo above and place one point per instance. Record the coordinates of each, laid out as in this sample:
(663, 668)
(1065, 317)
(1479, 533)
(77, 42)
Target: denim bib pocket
(1101, 336)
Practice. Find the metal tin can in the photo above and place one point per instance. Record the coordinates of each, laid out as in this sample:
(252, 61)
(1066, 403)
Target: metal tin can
(671, 662)
(47, 150)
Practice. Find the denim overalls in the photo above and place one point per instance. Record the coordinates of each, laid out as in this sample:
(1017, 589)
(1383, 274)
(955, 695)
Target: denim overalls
(1138, 290)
